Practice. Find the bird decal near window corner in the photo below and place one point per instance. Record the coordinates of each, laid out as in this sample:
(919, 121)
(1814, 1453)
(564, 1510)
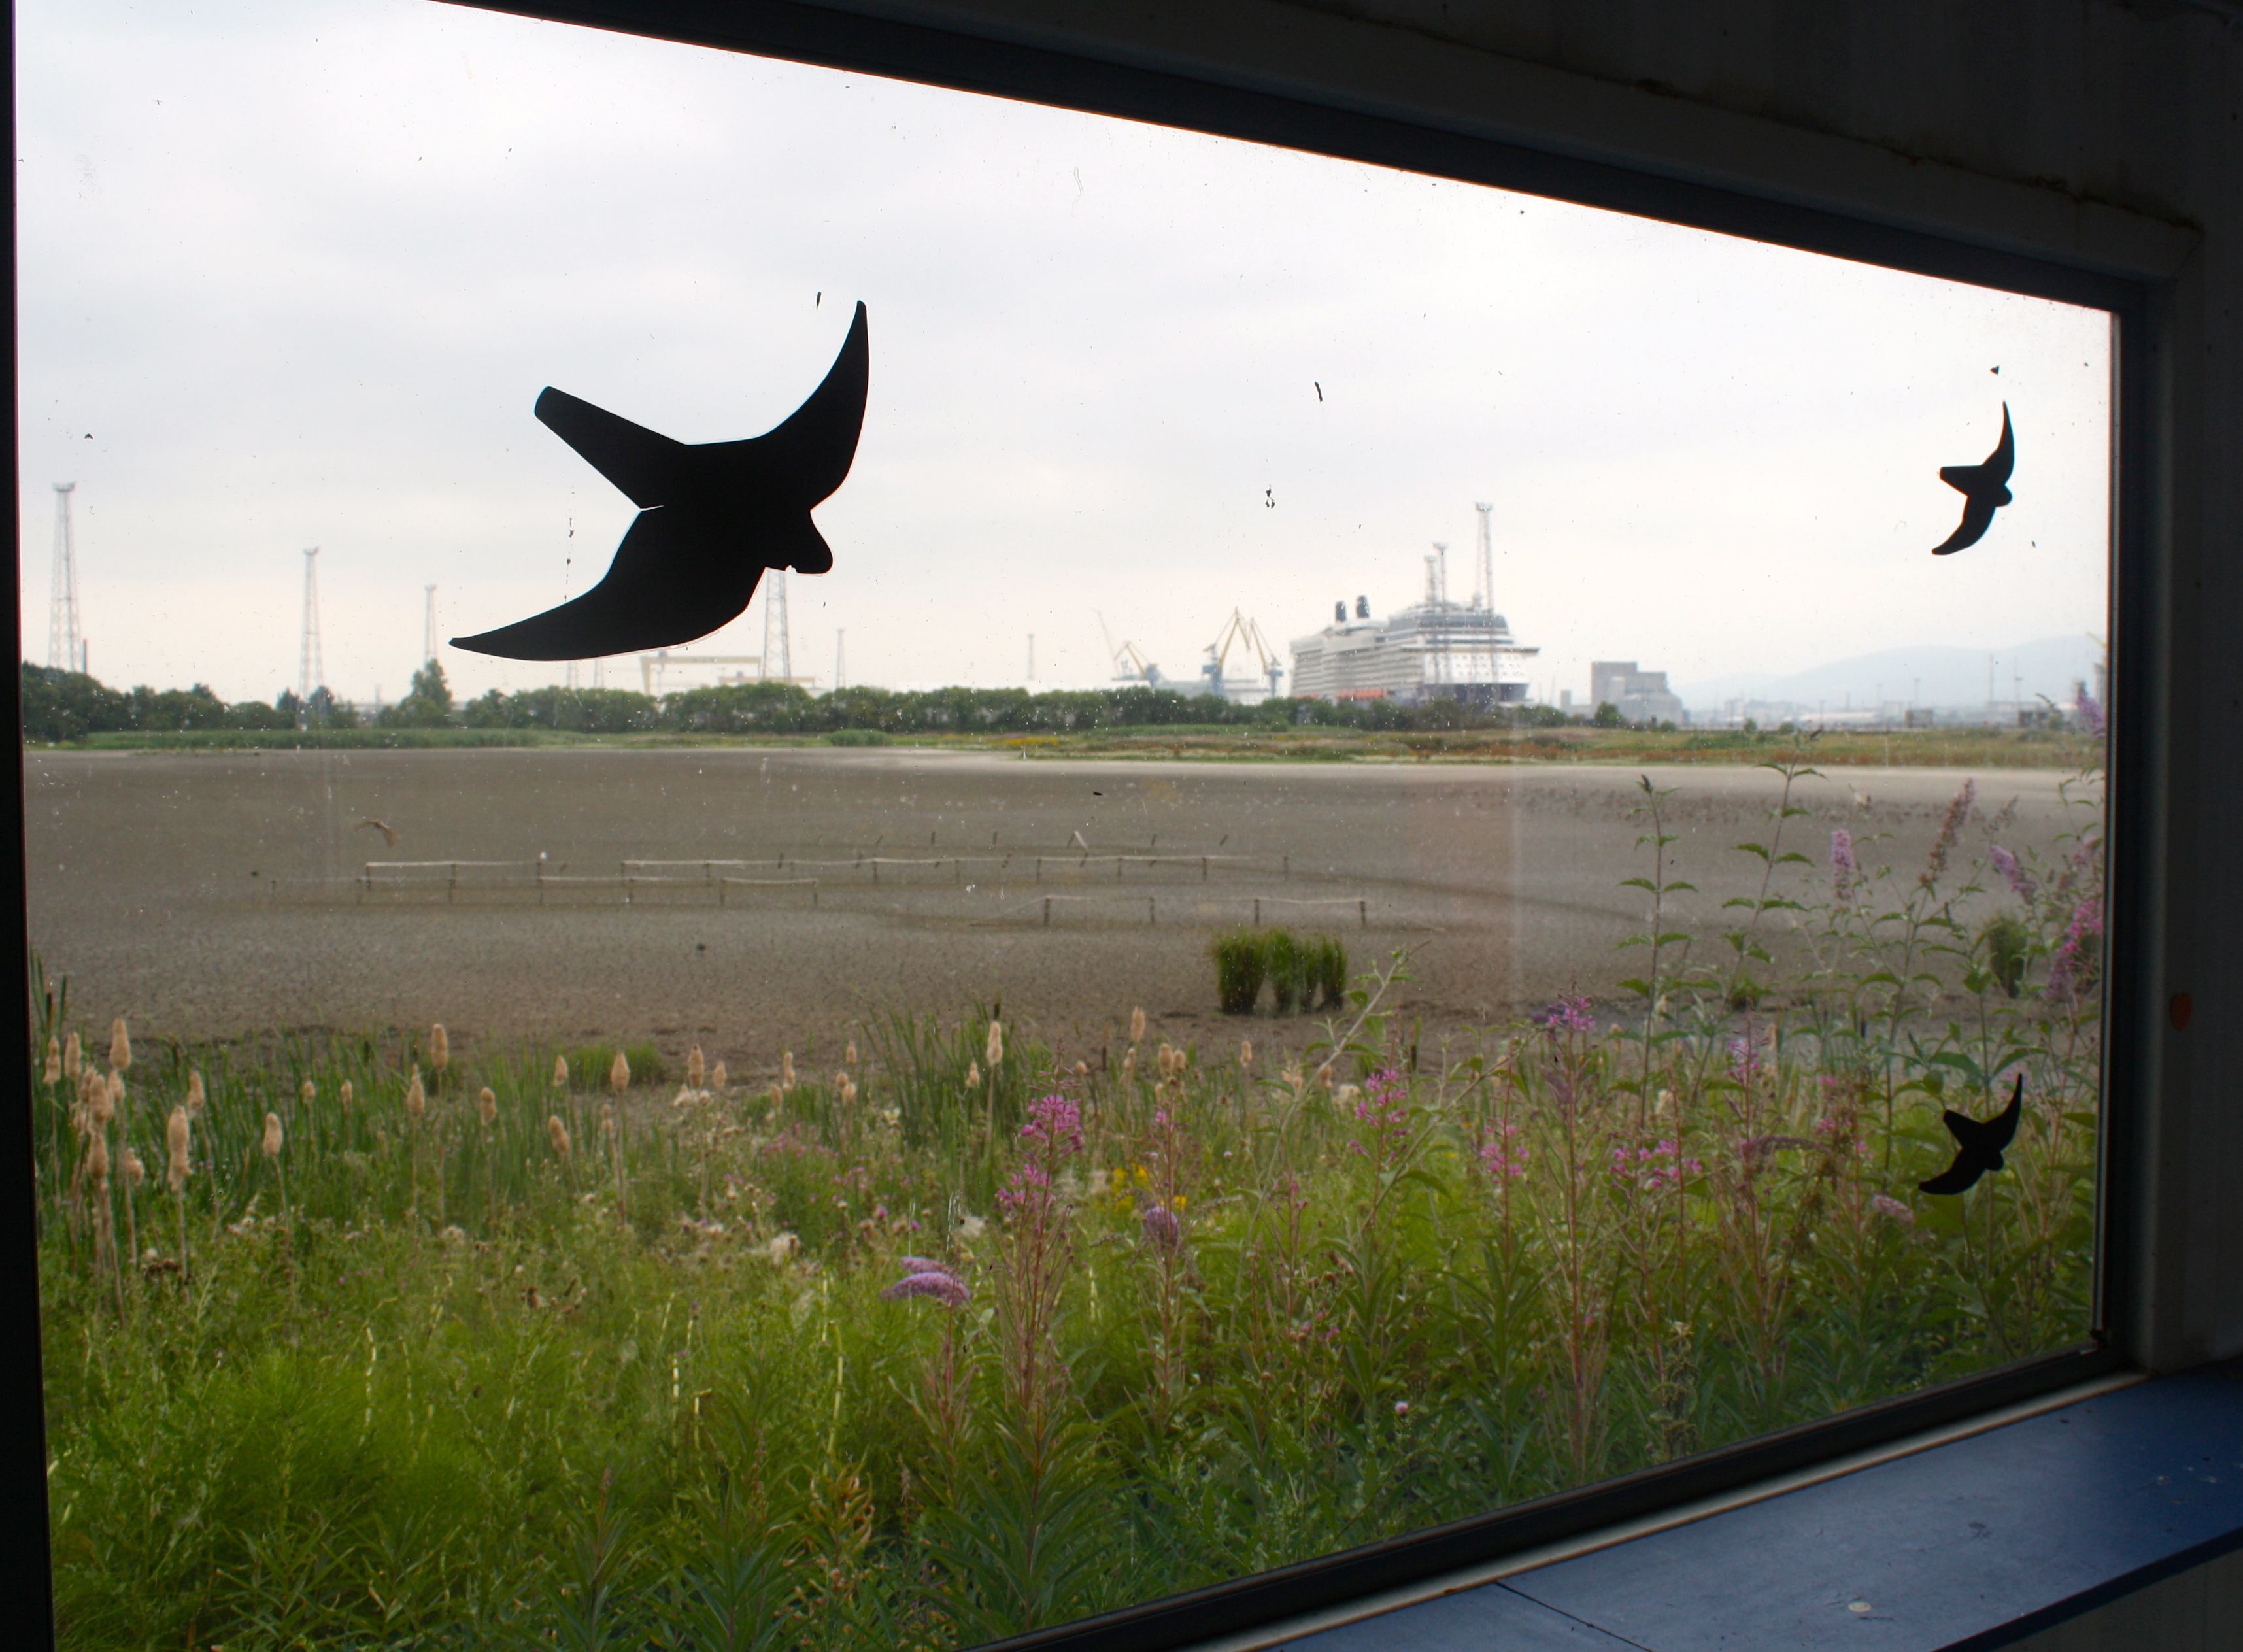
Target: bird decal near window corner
(1985, 488)
(712, 517)
(1978, 1144)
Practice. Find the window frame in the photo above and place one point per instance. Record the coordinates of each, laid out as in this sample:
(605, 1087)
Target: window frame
(958, 54)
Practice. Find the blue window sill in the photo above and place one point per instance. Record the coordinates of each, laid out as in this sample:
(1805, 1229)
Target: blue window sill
(1974, 1542)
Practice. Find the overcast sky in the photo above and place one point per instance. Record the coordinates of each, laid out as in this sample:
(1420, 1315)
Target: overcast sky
(295, 274)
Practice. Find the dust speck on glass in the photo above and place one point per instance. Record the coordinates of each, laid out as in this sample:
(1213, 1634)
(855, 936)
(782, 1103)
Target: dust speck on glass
(1371, 865)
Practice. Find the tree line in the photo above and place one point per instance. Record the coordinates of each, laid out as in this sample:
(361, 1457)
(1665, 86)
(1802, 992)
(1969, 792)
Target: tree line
(68, 706)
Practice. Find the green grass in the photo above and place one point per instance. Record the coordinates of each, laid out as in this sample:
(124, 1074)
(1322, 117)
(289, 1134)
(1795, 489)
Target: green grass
(433, 1382)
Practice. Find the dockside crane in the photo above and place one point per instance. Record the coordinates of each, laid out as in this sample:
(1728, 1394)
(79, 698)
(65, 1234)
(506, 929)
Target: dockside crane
(1129, 665)
(1240, 632)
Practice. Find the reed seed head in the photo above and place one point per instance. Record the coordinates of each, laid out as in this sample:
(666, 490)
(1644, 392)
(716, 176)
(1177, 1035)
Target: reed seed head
(558, 1133)
(1246, 1052)
(197, 1097)
(1138, 1026)
(778, 1093)
(100, 1099)
(994, 1050)
(308, 1092)
(619, 1074)
(849, 1056)
(73, 1057)
(973, 1074)
(416, 1097)
(176, 1146)
(1082, 1069)
(786, 1069)
(440, 1048)
(1129, 1063)
(487, 1105)
(135, 1171)
(685, 1097)
(560, 1072)
(54, 1069)
(716, 1078)
(696, 1069)
(847, 1087)
(97, 1159)
(345, 1094)
(272, 1144)
(607, 1119)
(1168, 1059)
(120, 1046)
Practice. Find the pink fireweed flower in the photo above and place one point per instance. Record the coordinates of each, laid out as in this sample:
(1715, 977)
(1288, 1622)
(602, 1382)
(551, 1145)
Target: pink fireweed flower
(2020, 881)
(1162, 1231)
(943, 1287)
(2088, 711)
(922, 1265)
(1502, 1155)
(1382, 1109)
(1053, 1122)
(1747, 1059)
(1885, 1205)
(1843, 867)
(1654, 1168)
(1570, 1014)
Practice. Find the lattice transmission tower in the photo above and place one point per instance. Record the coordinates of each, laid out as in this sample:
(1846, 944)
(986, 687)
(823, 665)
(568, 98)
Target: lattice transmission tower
(65, 647)
(778, 658)
(311, 669)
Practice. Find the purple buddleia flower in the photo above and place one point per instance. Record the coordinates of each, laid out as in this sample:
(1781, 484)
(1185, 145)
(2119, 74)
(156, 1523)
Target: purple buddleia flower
(2073, 972)
(943, 1287)
(2020, 880)
(2088, 711)
(1162, 1231)
(1843, 867)
(1959, 816)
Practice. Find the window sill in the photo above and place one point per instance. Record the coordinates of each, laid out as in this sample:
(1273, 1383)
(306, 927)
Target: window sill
(1965, 1542)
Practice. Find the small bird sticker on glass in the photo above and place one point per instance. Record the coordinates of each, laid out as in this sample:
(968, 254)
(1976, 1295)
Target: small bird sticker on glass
(1985, 488)
(1978, 1144)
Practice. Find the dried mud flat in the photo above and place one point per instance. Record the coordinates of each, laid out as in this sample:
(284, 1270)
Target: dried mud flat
(212, 894)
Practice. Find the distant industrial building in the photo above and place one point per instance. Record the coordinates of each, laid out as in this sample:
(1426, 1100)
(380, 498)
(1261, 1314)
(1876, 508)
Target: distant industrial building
(1437, 650)
(1638, 696)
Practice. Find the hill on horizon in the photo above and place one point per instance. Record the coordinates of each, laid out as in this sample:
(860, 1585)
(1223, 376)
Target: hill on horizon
(1925, 675)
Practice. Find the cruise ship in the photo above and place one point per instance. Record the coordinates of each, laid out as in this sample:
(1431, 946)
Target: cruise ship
(1437, 650)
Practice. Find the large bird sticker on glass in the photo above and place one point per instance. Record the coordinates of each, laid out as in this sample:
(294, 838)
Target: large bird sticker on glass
(712, 516)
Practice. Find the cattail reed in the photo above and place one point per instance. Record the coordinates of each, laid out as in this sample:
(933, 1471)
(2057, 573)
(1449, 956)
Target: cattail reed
(696, 1069)
(176, 1146)
(786, 1069)
(846, 1087)
(99, 1099)
(120, 1047)
(560, 1072)
(135, 1171)
(73, 1057)
(487, 1105)
(198, 1098)
(849, 1056)
(619, 1074)
(273, 1137)
(973, 1074)
(1129, 1064)
(1138, 1026)
(416, 1096)
(440, 1049)
(557, 1134)
(308, 1092)
(135, 1174)
(716, 1078)
(54, 1068)
(613, 1133)
(104, 1223)
(344, 1094)
(994, 1049)
(1245, 1053)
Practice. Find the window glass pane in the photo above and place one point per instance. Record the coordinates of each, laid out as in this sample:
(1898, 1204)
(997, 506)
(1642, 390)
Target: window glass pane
(903, 1117)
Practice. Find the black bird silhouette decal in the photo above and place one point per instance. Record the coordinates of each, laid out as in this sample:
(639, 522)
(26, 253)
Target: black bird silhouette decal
(1985, 488)
(712, 516)
(1978, 1145)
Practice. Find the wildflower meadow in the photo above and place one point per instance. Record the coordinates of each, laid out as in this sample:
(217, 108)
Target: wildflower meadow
(362, 1340)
